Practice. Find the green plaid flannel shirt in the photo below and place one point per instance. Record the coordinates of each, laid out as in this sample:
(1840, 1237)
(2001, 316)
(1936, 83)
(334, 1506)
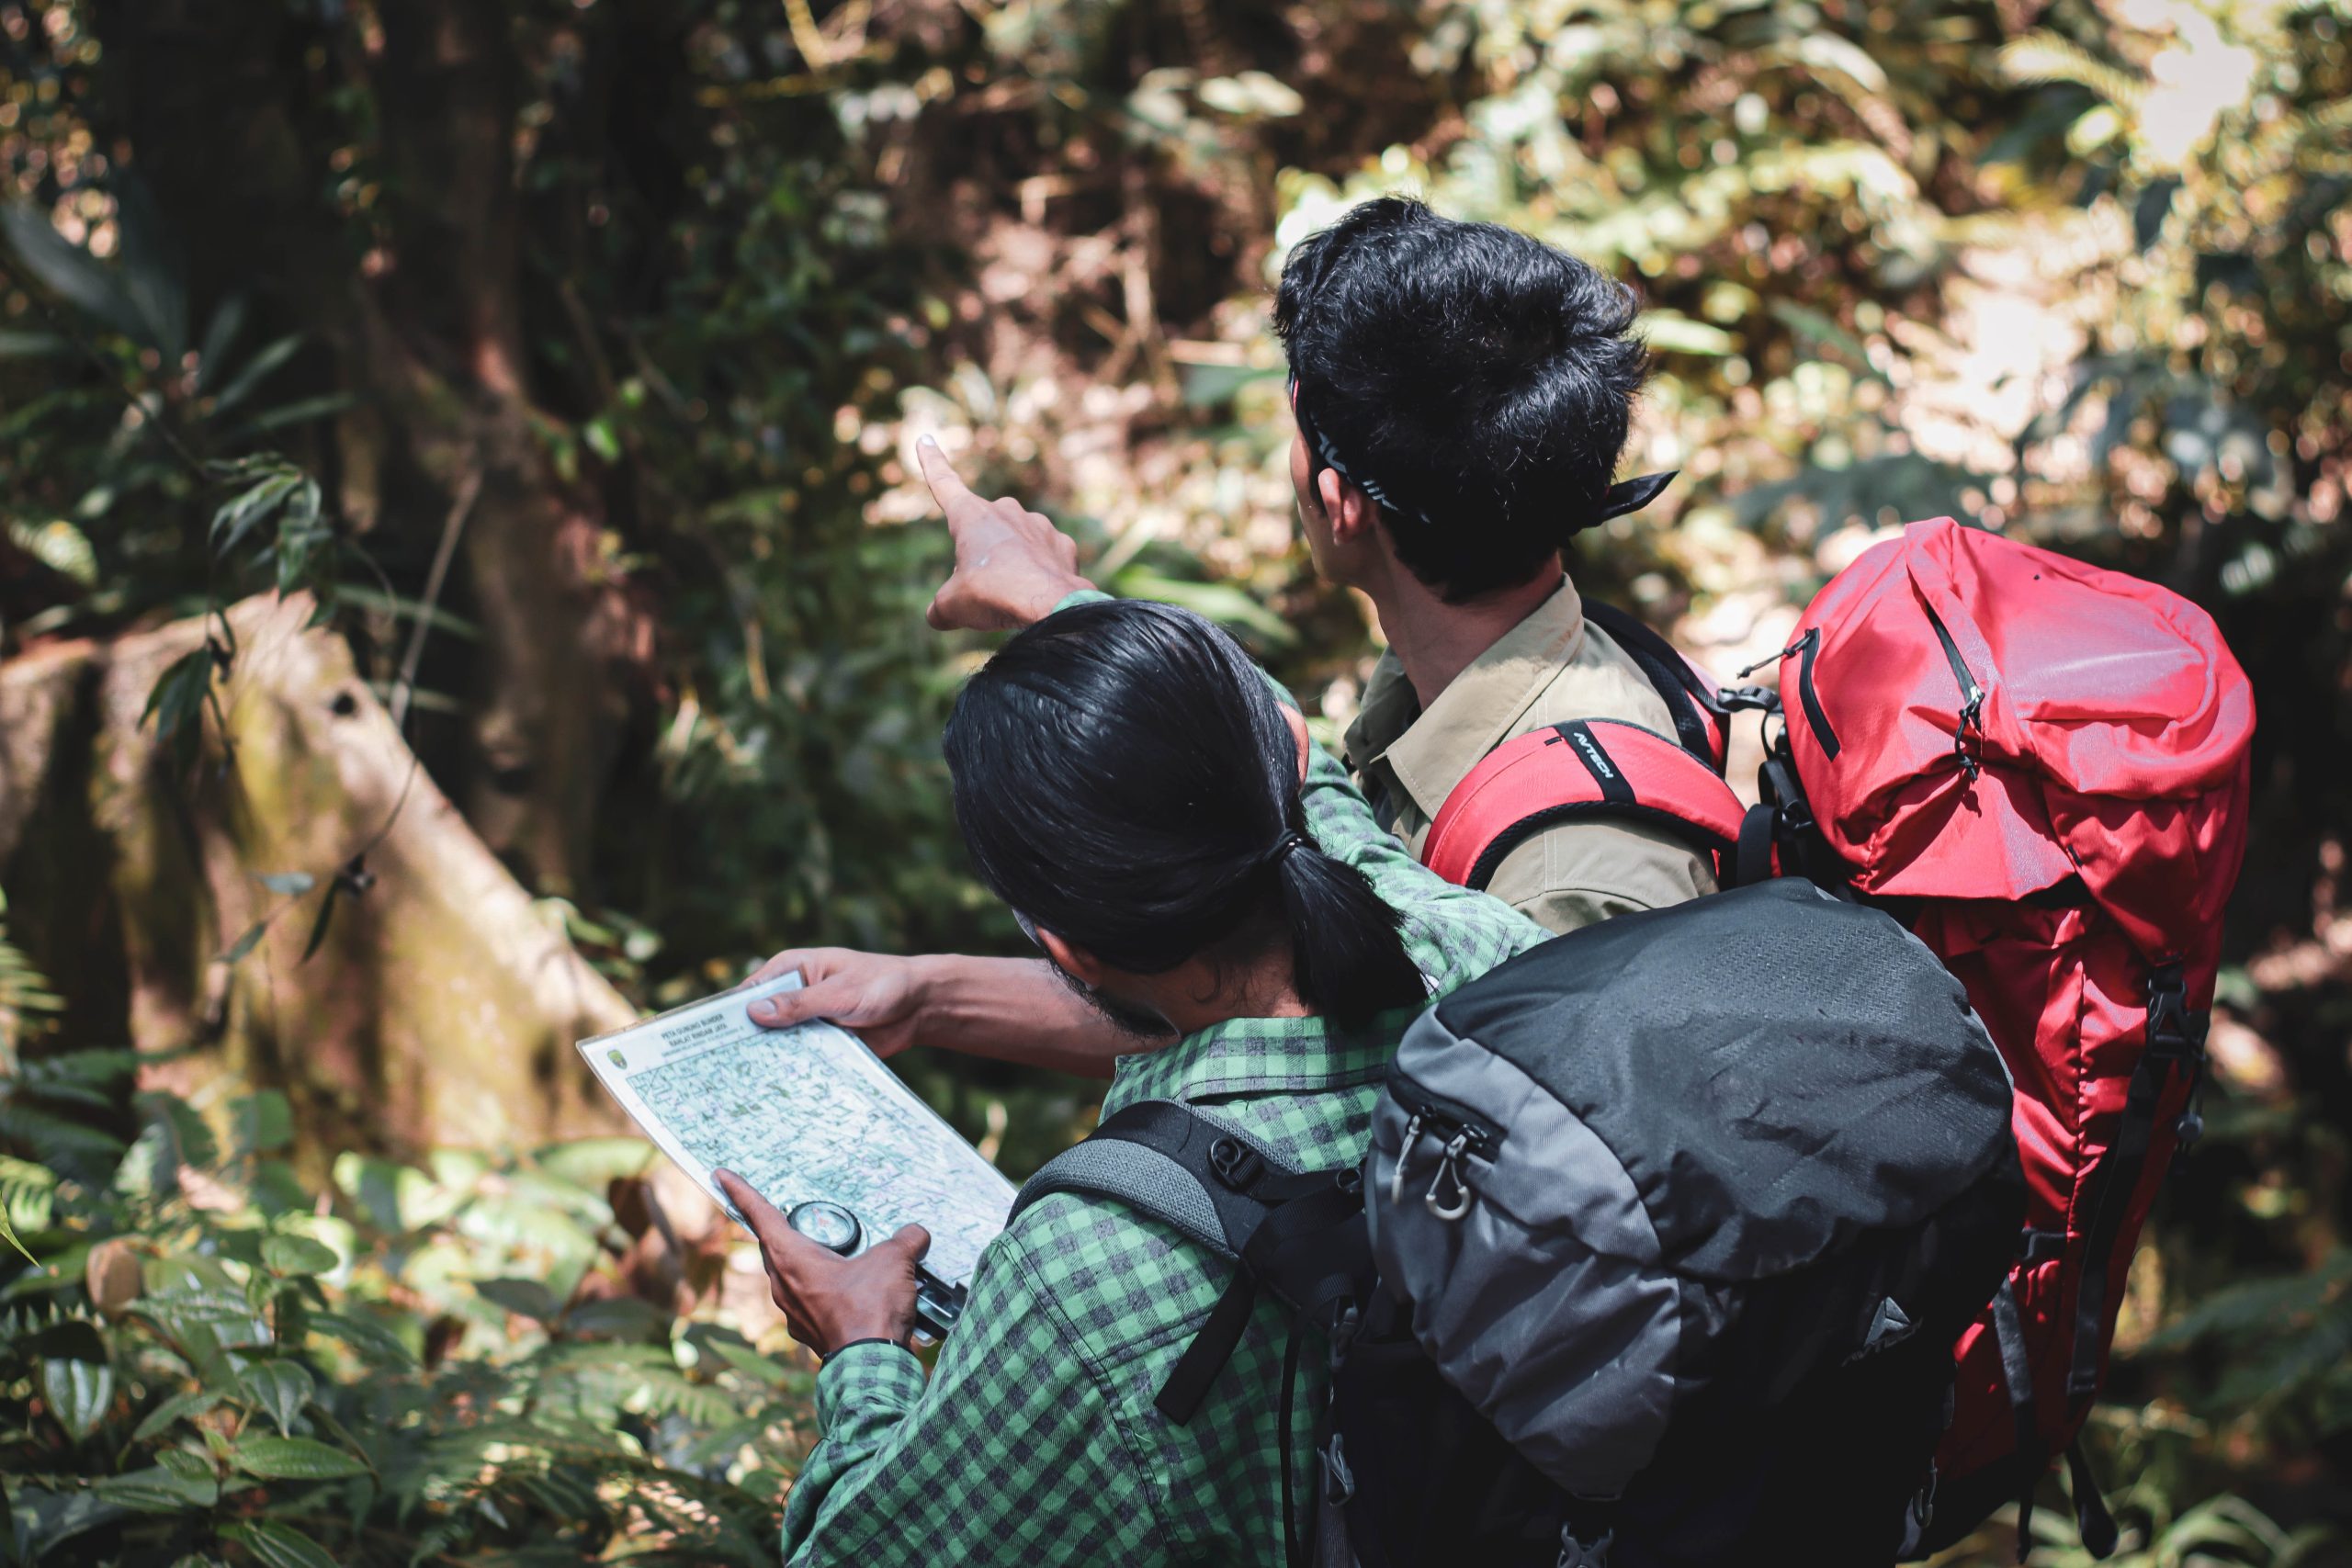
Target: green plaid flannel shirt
(1034, 1439)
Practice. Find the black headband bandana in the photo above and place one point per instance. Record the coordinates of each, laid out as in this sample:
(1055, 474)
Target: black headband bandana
(1620, 499)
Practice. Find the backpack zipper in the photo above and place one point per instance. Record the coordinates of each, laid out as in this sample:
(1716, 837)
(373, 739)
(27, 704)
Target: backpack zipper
(1804, 648)
(1972, 696)
(1462, 1132)
(1815, 715)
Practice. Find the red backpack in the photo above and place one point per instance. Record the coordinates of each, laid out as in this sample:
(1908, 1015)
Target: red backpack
(2040, 768)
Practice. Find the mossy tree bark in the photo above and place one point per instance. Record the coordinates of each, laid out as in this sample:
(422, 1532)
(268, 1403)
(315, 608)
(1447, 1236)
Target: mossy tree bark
(439, 1004)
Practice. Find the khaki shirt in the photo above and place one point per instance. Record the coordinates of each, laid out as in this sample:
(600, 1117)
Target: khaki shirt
(1549, 669)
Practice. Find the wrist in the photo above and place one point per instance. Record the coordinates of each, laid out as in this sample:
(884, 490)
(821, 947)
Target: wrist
(1051, 593)
(926, 983)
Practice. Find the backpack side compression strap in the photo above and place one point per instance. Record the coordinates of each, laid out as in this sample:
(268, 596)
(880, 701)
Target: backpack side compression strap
(1600, 767)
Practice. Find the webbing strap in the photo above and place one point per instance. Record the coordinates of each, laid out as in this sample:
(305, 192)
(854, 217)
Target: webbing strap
(2016, 1374)
(1690, 697)
(2093, 1522)
(1179, 1397)
(2176, 1037)
(1755, 860)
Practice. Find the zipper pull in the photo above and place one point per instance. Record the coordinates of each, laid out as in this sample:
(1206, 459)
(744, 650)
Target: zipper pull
(1794, 649)
(1404, 1151)
(1971, 717)
(1447, 1165)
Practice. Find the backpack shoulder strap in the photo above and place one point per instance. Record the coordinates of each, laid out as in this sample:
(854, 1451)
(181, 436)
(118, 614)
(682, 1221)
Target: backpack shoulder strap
(1220, 1190)
(1701, 723)
(1589, 768)
(1167, 1162)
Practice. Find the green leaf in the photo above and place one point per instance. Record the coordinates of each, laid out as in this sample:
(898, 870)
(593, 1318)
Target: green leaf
(752, 1364)
(372, 1340)
(188, 1136)
(264, 1122)
(281, 1388)
(274, 1545)
(255, 371)
(76, 1375)
(243, 945)
(176, 1483)
(527, 1297)
(1206, 386)
(299, 1254)
(293, 1459)
(33, 346)
(1218, 601)
(179, 1408)
(1815, 326)
(299, 410)
(601, 438)
(8, 1235)
(219, 333)
(618, 1318)
(1670, 331)
(241, 513)
(153, 267)
(70, 272)
(177, 700)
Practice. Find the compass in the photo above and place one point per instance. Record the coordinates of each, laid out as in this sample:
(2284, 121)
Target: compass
(828, 1225)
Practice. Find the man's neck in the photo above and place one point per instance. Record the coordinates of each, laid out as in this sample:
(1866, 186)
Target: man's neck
(1206, 991)
(1436, 641)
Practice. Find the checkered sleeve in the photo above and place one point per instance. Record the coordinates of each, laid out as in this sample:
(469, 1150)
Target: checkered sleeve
(1011, 1455)
(1454, 934)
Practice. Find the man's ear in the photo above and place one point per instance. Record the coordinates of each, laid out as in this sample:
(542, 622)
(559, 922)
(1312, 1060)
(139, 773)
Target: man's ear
(1350, 511)
(1075, 962)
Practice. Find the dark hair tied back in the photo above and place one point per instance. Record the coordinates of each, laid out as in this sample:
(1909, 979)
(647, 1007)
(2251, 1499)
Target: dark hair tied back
(1124, 776)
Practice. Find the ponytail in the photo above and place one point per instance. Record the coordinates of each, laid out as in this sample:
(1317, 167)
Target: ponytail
(1346, 953)
(1124, 776)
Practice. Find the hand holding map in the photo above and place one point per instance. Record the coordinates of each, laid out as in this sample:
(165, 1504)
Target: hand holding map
(806, 1114)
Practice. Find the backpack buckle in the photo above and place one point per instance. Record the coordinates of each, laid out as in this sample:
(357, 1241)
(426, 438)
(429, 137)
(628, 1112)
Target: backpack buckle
(1236, 1164)
(2175, 1032)
(1338, 1481)
(1576, 1553)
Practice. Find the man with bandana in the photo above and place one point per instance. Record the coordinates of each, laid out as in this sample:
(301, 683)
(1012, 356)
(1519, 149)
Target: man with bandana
(1463, 394)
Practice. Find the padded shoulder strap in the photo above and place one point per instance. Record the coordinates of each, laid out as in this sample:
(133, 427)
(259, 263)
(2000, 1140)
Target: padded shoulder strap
(1169, 1163)
(1701, 721)
(1600, 767)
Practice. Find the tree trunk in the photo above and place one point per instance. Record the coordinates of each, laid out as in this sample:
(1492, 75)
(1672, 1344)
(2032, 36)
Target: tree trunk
(428, 333)
(440, 1004)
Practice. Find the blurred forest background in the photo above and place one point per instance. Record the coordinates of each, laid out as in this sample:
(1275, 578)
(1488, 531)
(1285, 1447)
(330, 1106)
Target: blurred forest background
(461, 577)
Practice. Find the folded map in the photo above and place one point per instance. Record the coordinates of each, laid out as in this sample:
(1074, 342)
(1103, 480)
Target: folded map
(803, 1114)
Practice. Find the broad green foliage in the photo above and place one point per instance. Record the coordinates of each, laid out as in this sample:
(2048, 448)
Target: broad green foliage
(212, 1360)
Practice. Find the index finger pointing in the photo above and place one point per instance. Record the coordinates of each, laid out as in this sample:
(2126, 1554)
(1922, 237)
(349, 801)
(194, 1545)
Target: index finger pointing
(947, 486)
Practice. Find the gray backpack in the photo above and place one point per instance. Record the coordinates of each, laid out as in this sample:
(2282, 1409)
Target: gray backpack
(1666, 1231)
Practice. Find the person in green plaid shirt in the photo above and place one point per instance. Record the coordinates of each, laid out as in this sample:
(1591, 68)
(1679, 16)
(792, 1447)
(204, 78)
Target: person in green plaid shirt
(1310, 942)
